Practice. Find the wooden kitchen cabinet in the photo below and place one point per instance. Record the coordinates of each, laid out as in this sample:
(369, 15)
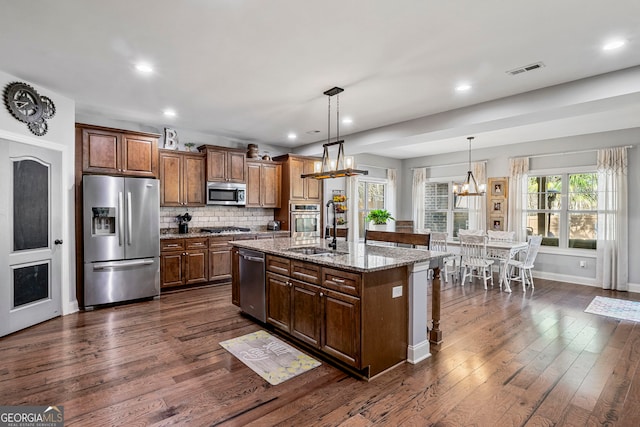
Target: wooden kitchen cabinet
(219, 258)
(340, 326)
(182, 178)
(278, 300)
(295, 188)
(183, 261)
(118, 152)
(225, 164)
(263, 184)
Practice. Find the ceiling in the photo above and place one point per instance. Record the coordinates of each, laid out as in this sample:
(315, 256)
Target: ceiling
(255, 70)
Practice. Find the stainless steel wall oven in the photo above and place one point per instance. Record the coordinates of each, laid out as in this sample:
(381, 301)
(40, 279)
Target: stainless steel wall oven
(305, 220)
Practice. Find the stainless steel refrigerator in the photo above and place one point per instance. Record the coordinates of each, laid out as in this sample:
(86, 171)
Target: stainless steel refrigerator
(121, 239)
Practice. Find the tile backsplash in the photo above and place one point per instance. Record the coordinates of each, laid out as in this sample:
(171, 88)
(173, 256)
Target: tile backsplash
(216, 216)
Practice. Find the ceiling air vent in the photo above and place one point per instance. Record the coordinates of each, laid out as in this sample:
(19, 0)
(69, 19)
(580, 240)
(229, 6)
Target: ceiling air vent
(526, 68)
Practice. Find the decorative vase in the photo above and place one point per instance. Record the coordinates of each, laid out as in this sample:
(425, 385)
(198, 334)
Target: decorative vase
(382, 227)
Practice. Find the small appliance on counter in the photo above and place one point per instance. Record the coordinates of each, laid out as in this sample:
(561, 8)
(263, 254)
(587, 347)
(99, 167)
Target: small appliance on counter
(273, 226)
(183, 223)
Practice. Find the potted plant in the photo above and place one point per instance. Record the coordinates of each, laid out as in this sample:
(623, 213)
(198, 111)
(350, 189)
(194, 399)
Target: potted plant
(378, 220)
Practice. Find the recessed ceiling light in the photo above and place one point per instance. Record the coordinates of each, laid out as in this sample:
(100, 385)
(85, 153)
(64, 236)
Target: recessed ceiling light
(292, 135)
(463, 87)
(169, 113)
(614, 44)
(347, 120)
(144, 68)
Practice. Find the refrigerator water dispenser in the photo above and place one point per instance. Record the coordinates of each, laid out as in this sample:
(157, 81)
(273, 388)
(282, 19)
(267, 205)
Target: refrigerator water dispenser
(103, 221)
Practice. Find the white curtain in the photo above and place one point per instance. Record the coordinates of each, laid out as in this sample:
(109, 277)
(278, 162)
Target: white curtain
(517, 222)
(352, 209)
(390, 197)
(477, 204)
(417, 195)
(612, 264)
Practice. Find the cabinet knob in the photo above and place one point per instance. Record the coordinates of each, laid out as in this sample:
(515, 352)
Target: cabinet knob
(321, 294)
(290, 284)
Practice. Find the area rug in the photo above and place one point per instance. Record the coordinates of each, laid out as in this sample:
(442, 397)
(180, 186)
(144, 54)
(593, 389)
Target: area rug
(269, 357)
(613, 307)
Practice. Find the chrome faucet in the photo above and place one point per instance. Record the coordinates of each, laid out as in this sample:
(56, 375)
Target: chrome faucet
(334, 243)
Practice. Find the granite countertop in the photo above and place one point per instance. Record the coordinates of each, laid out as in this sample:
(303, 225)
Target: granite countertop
(175, 235)
(350, 256)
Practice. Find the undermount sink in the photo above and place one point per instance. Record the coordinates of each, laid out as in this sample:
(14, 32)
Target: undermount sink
(315, 251)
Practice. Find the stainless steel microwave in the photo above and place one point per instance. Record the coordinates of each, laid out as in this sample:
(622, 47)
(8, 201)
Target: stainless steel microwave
(226, 193)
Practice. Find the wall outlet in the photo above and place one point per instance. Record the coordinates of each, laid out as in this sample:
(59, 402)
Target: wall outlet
(583, 264)
(396, 292)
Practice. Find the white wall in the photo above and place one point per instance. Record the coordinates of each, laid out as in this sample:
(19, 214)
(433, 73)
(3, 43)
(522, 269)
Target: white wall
(553, 264)
(60, 137)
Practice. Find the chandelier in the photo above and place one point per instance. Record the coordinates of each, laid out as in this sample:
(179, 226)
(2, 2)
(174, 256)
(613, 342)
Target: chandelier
(342, 165)
(470, 186)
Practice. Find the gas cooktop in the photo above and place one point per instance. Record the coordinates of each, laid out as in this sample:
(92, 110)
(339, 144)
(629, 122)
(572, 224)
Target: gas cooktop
(225, 229)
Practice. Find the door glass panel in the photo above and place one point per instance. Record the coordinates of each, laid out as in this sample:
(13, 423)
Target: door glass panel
(30, 205)
(30, 284)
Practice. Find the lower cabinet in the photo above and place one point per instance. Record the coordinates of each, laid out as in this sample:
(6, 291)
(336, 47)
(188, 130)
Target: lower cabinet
(219, 258)
(321, 317)
(183, 262)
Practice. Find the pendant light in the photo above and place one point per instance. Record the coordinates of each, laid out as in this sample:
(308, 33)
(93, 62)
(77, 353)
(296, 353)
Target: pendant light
(470, 186)
(343, 165)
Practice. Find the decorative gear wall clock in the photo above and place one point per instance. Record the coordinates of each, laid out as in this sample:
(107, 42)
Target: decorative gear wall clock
(25, 104)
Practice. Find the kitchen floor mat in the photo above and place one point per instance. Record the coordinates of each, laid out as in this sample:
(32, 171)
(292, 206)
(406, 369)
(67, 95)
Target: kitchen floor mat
(613, 307)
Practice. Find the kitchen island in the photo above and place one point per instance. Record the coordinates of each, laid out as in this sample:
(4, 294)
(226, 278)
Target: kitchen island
(362, 306)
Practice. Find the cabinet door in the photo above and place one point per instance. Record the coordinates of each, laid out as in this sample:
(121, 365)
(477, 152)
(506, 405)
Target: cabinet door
(297, 184)
(313, 186)
(140, 155)
(279, 301)
(219, 261)
(340, 336)
(236, 168)
(101, 151)
(171, 268)
(270, 184)
(254, 185)
(216, 165)
(305, 312)
(170, 179)
(195, 267)
(193, 180)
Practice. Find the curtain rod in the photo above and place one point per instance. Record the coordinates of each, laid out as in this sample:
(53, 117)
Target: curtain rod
(447, 165)
(569, 152)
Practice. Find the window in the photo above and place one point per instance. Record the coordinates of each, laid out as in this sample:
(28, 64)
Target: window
(371, 195)
(563, 208)
(443, 211)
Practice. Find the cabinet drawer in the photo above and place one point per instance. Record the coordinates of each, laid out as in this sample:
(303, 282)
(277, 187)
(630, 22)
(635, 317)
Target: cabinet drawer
(168, 245)
(306, 272)
(219, 242)
(197, 243)
(342, 281)
(279, 265)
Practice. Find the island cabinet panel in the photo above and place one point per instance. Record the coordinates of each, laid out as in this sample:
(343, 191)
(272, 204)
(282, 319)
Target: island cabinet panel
(278, 265)
(341, 281)
(306, 272)
(305, 312)
(235, 277)
(279, 301)
(341, 327)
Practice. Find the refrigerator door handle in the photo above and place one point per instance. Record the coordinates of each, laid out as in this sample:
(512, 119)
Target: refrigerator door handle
(129, 218)
(120, 217)
(116, 264)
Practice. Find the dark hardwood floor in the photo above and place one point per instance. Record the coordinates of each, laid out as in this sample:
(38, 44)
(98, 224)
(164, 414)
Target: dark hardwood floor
(506, 360)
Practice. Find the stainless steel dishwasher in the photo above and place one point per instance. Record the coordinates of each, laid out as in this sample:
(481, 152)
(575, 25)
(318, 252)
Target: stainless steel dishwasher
(252, 283)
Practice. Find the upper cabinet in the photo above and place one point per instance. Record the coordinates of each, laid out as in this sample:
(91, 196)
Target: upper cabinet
(225, 164)
(296, 188)
(182, 178)
(263, 184)
(118, 152)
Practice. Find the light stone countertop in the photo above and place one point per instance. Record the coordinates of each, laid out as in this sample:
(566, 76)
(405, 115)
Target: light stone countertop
(355, 257)
(191, 234)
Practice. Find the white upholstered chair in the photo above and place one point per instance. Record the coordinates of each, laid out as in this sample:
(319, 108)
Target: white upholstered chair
(438, 242)
(525, 264)
(473, 260)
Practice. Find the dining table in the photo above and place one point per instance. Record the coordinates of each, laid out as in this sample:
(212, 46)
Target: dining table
(500, 251)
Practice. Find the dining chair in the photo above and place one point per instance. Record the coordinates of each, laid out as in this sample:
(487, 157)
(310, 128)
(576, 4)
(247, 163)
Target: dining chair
(525, 266)
(499, 236)
(474, 261)
(438, 242)
(467, 232)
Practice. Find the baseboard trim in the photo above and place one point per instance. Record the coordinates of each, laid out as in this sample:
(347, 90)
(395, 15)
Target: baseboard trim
(418, 353)
(578, 280)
